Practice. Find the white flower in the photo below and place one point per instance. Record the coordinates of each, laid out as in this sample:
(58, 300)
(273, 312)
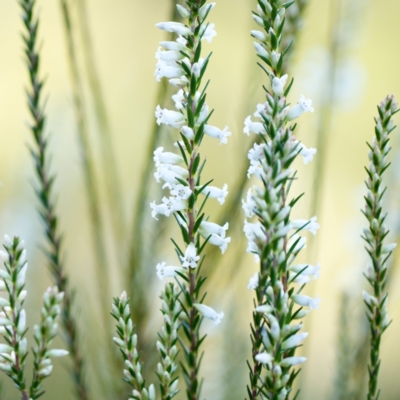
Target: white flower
(217, 133)
(259, 35)
(203, 115)
(263, 358)
(278, 85)
(168, 56)
(389, 248)
(209, 313)
(306, 269)
(167, 207)
(219, 241)
(249, 206)
(179, 82)
(369, 299)
(173, 119)
(304, 105)
(161, 157)
(175, 27)
(181, 192)
(264, 309)
(21, 276)
(309, 225)
(168, 70)
(254, 231)
(179, 99)
(188, 132)
(205, 9)
(196, 70)
(208, 33)
(260, 49)
(216, 193)
(306, 301)
(184, 12)
(256, 153)
(21, 322)
(256, 171)
(175, 46)
(5, 348)
(57, 353)
(255, 127)
(166, 175)
(294, 341)
(210, 228)
(300, 243)
(164, 271)
(307, 154)
(292, 361)
(263, 109)
(253, 282)
(176, 169)
(189, 260)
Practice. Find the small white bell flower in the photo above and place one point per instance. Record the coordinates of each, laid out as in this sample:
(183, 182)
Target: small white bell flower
(278, 85)
(175, 27)
(253, 282)
(306, 301)
(255, 127)
(217, 133)
(161, 157)
(209, 313)
(304, 105)
(208, 33)
(210, 228)
(263, 358)
(164, 271)
(216, 193)
(190, 259)
(309, 225)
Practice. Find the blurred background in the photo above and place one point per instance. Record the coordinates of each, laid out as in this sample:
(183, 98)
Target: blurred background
(345, 59)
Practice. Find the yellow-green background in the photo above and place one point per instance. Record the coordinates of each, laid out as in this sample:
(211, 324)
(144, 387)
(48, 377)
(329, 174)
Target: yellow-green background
(125, 40)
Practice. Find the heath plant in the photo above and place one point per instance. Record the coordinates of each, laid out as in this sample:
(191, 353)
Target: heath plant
(274, 237)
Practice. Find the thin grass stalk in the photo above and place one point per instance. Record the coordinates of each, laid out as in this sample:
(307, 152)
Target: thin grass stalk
(109, 162)
(92, 187)
(342, 388)
(325, 116)
(136, 262)
(91, 182)
(45, 194)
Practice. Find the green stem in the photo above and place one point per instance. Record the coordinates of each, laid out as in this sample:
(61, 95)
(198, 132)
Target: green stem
(45, 194)
(109, 162)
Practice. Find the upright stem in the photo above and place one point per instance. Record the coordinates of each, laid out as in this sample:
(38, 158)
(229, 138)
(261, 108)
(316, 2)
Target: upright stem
(91, 182)
(45, 194)
(109, 162)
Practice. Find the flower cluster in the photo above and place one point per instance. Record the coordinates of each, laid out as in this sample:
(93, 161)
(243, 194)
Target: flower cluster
(273, 238)
(13, 323)
(127, 342)
(167, 368)
(180, 172)
(44, 334)
(374, 236)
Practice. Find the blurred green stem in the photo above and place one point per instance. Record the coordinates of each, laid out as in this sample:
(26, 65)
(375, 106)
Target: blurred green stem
(91, 183)
(88, 164)
(325, 116)
(136, 260)
(109, 162)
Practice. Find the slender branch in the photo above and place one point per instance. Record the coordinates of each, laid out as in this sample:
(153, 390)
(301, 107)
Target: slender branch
(45, 194)
(109, 162)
